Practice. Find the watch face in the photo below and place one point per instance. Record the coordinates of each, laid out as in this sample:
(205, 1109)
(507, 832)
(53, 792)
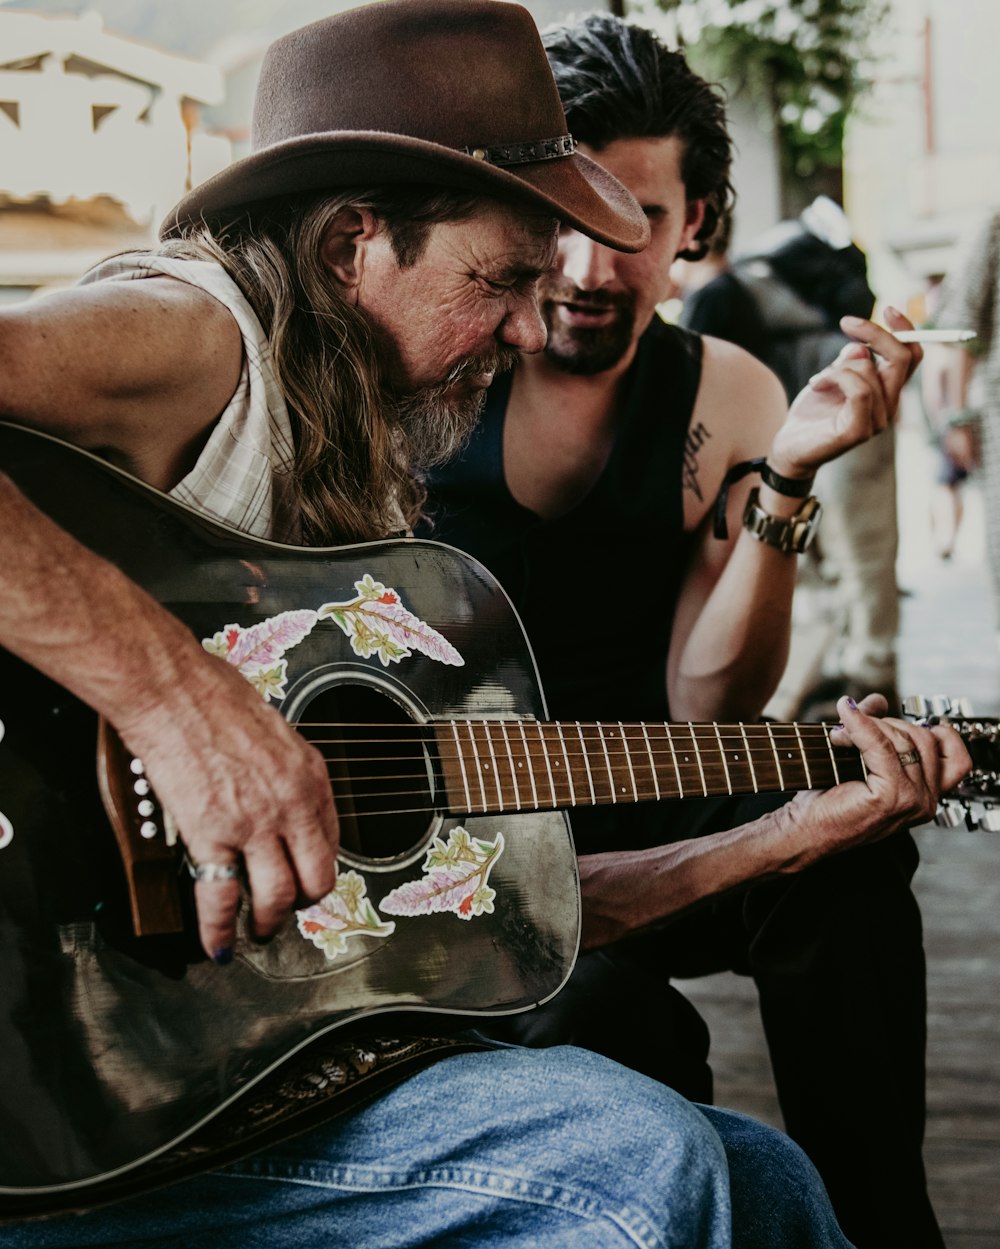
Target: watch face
(792, 533)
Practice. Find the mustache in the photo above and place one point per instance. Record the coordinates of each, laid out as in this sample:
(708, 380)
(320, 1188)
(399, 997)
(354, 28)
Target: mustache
(500, 361)
(554, 291)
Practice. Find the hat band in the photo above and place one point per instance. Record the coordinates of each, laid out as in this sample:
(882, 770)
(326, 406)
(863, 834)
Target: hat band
(524, 153)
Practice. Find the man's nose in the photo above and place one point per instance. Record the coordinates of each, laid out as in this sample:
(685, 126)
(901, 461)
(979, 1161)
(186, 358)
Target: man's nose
(523, 327)
(583, 262)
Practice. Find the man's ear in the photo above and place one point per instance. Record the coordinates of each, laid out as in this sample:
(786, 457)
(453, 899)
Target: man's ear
(345, 246)
(694, 215)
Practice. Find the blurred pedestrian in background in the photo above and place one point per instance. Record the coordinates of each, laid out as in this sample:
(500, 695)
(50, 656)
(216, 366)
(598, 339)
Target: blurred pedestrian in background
(953, 425)
(802, 276)
(968, 301)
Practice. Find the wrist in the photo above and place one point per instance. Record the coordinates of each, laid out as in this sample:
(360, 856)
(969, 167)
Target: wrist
(782, 479)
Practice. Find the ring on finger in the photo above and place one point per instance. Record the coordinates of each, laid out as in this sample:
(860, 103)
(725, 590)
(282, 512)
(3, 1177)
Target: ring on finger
(211, 871)
(907, 757)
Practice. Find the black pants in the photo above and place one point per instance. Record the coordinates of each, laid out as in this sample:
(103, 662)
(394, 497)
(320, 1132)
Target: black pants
(837, 956)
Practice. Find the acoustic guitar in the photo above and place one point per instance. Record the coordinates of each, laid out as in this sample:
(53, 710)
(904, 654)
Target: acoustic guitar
(406, 665)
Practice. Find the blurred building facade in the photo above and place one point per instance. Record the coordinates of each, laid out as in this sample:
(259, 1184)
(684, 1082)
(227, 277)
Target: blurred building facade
(922, 164)
(99, 135)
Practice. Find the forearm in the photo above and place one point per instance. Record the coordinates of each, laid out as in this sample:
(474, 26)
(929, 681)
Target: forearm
(79, 620)
(627, 892)
(729, 659)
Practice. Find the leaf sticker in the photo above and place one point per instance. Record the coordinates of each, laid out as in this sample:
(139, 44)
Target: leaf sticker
(345, 912)
(455, 879)
(378, 624)
(257, 652)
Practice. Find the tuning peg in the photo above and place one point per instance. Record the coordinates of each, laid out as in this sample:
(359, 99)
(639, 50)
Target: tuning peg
(920, 707)
(949, 814)
(962, 707)
(989, 820)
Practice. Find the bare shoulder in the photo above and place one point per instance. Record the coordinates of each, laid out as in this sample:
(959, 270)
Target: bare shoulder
(740, 396)
(94, 362)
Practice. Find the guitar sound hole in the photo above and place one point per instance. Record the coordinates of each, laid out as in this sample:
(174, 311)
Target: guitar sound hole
(379, 768)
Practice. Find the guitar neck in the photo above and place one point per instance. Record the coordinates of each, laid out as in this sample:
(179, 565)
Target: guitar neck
(490, 766)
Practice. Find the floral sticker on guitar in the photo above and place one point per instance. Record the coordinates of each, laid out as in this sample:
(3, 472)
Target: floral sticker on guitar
(345, 912)
(455, 879)
(376, 622)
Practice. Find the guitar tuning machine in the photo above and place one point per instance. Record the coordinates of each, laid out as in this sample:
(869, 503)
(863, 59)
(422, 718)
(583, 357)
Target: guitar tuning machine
(950, 814)
(937, 706)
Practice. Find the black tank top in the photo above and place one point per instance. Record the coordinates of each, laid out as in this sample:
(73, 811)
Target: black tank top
(596, 588)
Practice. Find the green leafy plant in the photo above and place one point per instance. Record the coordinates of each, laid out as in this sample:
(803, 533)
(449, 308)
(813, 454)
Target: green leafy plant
(804, 63)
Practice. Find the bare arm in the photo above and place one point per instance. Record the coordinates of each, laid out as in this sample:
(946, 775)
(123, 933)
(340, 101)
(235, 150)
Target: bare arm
(234, 776)
(628, 892)
(729, 642)
(139, 371)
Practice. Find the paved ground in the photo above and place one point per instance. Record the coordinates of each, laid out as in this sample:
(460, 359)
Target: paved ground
(947, 646)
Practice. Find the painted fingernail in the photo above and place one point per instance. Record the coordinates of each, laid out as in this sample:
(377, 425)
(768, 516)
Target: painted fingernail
(851, 703)
(223, 957)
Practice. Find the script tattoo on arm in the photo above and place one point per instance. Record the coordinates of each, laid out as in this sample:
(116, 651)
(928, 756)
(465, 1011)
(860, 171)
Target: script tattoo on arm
(692, 445)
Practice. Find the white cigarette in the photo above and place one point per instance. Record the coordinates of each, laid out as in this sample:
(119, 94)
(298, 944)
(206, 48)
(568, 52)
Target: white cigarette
(934, 336)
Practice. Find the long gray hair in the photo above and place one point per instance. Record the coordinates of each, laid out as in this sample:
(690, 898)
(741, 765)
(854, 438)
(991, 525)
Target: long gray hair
(352, 471)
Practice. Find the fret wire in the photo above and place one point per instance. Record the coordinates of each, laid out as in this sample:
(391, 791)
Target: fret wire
(461, 765)
(513, 772)
(753, 770)
(569, 770)
(697, 755)
(805, 761)
(722, 752)
(673, 755)
(528, 761)
(777, 761)
(628, 760)
(586, 761)
(479, 769)
(607, 763)
(548, 766)
(496, 770)
(652, 762)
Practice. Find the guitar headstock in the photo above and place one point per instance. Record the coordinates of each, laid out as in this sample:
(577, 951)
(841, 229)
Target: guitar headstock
(975, 801)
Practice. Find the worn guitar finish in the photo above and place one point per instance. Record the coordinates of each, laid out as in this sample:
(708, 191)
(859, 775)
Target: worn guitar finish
(406, 665)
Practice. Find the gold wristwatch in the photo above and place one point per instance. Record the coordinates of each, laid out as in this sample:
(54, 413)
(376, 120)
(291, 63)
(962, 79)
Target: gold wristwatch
(788, 533)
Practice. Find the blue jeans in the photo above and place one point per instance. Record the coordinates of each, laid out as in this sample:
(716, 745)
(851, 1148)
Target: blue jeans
(526, 1149)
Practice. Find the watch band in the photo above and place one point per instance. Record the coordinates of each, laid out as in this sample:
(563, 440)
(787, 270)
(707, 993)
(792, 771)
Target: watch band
(791, 534)
(794, 487)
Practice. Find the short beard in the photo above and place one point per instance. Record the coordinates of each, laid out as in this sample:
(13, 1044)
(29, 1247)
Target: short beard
(585, 352)
(436, 424)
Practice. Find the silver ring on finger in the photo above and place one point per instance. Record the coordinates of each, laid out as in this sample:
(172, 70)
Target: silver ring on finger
(211, 871)
(907, 757)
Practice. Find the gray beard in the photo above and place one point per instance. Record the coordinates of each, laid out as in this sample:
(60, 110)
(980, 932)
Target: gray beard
(437, 425)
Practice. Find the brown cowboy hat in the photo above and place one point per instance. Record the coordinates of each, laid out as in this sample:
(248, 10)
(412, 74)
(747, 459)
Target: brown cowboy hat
(453, 93)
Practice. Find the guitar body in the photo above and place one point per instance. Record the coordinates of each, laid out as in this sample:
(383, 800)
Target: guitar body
(116, 1047)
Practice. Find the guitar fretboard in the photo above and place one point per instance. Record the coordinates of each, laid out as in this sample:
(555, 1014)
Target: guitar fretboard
(527, 765)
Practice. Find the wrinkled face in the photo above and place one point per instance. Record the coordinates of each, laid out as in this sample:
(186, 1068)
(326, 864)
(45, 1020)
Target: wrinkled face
(461, 313)
(596, 302)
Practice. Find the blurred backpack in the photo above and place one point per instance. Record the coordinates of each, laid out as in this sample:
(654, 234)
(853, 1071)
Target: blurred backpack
(804, 276)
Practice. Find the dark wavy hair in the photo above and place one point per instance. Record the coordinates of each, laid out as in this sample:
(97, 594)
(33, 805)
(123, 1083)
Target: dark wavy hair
(619, 81)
